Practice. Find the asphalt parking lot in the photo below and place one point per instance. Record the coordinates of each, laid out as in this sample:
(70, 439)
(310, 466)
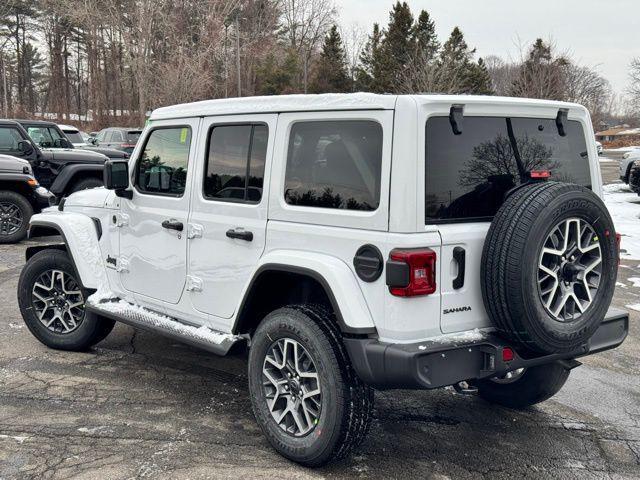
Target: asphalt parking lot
(139, 405)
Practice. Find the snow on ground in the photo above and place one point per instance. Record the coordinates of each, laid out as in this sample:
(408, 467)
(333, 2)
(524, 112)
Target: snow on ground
(624, 207)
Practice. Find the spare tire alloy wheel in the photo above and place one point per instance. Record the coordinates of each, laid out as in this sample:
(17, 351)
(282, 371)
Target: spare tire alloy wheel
(58, 301)
(291, 387)
(569, 269)
(11, 219)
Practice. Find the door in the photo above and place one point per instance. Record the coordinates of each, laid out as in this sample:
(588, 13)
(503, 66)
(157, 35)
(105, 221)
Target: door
(229, 209)
(153, 240)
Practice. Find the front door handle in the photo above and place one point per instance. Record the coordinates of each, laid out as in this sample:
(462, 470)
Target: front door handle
(240, 234)
(173, 224)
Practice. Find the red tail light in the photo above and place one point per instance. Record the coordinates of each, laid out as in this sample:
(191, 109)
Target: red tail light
(128, 145)
(618, 244)
(507, 354)
(540, 174)
(411, 272)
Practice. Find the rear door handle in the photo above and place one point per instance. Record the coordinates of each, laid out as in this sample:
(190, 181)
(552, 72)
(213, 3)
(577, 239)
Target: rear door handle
(240, 234)
(459, 255)
(173, 224)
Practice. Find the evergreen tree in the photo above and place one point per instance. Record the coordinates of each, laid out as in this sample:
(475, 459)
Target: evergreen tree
(455, 52)
(331, 74)
(276, 78)
(369, 62)
(478, 80)
(425, 39)
(396, 48)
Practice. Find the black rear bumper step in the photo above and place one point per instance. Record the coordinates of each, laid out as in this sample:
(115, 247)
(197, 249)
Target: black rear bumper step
(428, 365)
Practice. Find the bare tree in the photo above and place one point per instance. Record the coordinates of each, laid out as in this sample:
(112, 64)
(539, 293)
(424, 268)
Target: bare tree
(634, 86)
(306, 23)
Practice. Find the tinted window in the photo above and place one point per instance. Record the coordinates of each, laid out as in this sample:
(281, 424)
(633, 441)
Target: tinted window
(235, 165)
(162, 167)
(334, 164)
(133, 136)
(74, 137)
(9, 138)
(468, 175)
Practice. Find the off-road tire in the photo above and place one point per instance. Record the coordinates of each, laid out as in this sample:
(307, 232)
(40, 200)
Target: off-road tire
(510, 259)
(93, 328)
(26, 210)
(536, 385)
(86, 183)
(347, 403)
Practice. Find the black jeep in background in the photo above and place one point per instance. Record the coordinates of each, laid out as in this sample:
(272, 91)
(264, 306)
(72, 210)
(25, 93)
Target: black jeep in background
(57, 167)
(47, 134)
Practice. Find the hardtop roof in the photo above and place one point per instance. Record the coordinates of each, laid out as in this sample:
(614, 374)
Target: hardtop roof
(329, 101)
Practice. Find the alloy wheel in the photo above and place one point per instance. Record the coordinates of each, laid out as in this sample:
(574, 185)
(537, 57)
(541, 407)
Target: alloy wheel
(292, 387)
(58, 301)
(569, 269)
(10, 218)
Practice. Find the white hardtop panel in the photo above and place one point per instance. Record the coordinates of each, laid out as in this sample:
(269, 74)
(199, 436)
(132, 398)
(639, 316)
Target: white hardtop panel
(277, 104)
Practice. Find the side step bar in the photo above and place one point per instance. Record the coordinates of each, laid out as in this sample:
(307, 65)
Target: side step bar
(140, 317)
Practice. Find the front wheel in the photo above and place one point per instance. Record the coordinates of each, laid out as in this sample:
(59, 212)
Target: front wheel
(305, 395)
(524, 387)
(15, 213)
(86, 184)
(52, 303)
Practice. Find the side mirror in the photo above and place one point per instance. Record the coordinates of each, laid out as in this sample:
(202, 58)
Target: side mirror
(93, 140)
(62, 143)
(25, 147)
(116, 175)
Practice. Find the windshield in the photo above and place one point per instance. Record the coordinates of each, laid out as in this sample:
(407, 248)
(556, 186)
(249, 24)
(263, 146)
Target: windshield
(74, 137)
(468, 175)
(133, 136)
(45, 137)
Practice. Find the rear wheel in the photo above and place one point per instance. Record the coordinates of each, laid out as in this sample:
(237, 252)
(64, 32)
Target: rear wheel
(86, 184)
(305, 395)
(15, 213)
(52, 303)
(524, 387)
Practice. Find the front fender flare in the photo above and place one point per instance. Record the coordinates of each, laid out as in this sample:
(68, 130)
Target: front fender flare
(79, 234)
(69, 172)
(339, 282)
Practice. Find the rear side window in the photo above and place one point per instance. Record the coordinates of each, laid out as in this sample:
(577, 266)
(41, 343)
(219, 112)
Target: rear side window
(162, 168)
(235, 163)
(9, 138)
(467, 175)
(334, 164)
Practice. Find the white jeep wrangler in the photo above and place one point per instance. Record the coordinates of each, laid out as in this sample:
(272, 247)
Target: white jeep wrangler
(353, 242)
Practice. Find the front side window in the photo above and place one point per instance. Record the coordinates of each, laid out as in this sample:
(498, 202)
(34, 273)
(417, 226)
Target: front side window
(334, 164)
(45, 137)
(9, 138)
(468, 175)
(162, 167)
(235, 162)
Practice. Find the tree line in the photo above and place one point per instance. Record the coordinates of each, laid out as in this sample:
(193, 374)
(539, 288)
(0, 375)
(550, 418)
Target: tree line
(102, 62)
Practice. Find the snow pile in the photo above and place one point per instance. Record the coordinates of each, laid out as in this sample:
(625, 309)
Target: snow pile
(469, 336)
(157, 321)
(624, 207)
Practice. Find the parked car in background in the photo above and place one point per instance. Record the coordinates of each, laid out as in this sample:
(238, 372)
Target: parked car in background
(20, 197)
(50, 135)
(124, 139)
(627, 163)
(59, 169)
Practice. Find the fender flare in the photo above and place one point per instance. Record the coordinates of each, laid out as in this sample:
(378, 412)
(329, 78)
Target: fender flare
(69, 172)
(80, 236)
(335, 276)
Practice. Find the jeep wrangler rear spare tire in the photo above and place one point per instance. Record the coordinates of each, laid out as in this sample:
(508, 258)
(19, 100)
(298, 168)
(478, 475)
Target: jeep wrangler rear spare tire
(305, 395)
(549, 266)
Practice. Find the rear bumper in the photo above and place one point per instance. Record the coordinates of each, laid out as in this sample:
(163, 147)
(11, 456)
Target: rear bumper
(428, 365)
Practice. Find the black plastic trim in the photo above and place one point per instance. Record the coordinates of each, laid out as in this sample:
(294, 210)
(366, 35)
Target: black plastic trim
(368, 263)
(561, 121)
(459, 255)
(278, 267)
(456, 115)
(398, 274)
(428, 365)
(68, 174)
(98, 225)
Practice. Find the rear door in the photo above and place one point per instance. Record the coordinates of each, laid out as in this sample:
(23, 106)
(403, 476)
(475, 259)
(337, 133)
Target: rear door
(228, 218)
(467, 178)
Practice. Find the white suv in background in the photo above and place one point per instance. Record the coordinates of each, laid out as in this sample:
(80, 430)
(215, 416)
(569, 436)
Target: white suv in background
(353, 242)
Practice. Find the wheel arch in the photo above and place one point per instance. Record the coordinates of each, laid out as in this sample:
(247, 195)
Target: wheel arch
(71, 174)
(276, 284)
(80, 241)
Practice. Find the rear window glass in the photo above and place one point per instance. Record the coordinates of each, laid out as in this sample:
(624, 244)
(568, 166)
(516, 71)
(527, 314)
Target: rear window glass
(334, 164)
(74, 137)
(467, 175)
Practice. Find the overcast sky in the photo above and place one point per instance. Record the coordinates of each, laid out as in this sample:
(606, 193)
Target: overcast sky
(600, 33)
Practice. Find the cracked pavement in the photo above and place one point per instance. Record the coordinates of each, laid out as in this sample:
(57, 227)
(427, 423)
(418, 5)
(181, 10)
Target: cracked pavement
(142, 406)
